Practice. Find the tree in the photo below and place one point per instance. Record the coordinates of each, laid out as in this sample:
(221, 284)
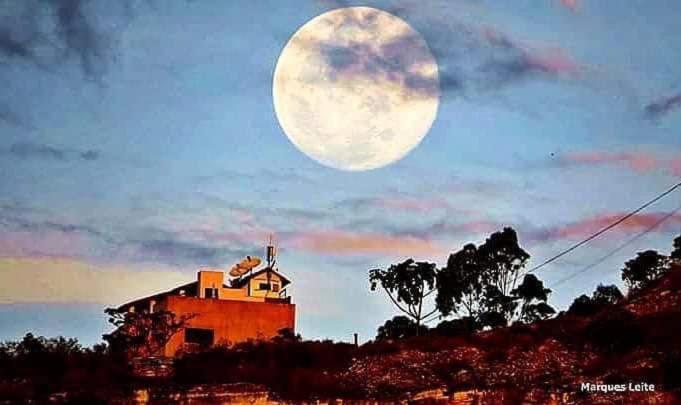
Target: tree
(496, 307)
(606, 295)
(645, 268)
(502, 259)
(457, 327)
(582, 306)
(399, 327)
(460, 284)
(676, 253)
(603, 296)
(529, 292)
(407, 284)
(142, 333)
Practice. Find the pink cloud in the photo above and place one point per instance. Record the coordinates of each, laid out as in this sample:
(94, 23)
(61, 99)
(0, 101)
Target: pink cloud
(572, 5)
(551, 60)
(641, 162)
(46, 243)
(343, 242)
(412, 204)
(589, 226)
(555, 61)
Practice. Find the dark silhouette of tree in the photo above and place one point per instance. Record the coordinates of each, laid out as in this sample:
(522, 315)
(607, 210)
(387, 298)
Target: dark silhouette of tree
(480, 283)
(645, 268)
(496, 307)
(460, 284)
(607, 295)
(407, 284)
(399, 327)
(502, 258)
(533, 295)
(602, 297)
(676, 253)
(582, 306)
(457, 327)
(142, 333)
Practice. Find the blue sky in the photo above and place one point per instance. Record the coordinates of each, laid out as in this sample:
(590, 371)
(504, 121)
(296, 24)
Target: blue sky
(138, 142)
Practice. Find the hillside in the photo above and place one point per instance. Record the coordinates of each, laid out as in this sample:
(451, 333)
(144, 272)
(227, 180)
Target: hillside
(637, 341)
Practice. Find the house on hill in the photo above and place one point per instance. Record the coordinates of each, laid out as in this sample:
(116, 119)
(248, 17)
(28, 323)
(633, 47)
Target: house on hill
(252, 305)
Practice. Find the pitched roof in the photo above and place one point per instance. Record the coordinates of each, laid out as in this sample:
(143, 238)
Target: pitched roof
(239, 282)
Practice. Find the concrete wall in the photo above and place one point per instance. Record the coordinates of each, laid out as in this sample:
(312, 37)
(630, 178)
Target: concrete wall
(231, 321)
(210, 279)
(262, 278)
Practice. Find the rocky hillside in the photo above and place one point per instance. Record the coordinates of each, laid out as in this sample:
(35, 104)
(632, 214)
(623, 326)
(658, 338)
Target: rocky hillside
(637, 342)
(632, 348)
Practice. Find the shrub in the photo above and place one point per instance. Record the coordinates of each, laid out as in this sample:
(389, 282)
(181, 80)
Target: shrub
(615, 331)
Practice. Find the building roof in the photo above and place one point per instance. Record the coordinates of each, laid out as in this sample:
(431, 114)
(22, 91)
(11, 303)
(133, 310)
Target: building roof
(189, 290)
(240, 282)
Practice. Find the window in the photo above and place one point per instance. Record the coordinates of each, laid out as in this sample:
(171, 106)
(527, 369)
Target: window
(275, 287)
(264, 286)
(210, 292)
(201, 337)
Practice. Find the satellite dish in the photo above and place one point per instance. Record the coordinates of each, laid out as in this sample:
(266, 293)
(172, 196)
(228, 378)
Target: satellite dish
(244, 266)
(250, 262)
(237, 271)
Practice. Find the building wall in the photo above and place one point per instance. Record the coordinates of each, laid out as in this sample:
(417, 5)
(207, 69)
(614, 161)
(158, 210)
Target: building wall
(262, 278)
(231, 321)
(210, 279)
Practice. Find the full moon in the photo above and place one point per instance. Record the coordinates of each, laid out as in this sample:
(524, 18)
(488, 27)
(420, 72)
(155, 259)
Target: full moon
(356, 88)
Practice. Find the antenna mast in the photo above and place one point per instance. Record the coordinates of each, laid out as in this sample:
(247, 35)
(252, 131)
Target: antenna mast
(271, 253)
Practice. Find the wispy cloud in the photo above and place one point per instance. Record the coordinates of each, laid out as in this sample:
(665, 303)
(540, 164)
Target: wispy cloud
(335, 242)
(26, 35)
(638, 161)
(30, 150)
(663, 106)
(470, 58)
(588, 226)
(572, 5)
(397, 203)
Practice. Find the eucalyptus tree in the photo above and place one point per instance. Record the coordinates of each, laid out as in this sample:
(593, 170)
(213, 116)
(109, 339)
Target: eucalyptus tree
(408, 284)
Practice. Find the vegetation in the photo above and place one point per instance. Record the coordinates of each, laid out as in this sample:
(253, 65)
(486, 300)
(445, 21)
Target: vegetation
(602, 297)
(645, 268)
(407, 284)
(142, 333)
(607, 341)
(479, 284)
(676, 253)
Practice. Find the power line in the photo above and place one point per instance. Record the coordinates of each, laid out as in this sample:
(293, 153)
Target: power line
(605, 229)
(618, 249)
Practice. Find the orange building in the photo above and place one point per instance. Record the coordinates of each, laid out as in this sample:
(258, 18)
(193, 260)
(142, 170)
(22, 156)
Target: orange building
(254, 305)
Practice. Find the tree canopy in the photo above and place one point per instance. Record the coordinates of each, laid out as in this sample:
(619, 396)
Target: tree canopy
(676, 252)
(407, 284)
(645, 268)
(478, 284)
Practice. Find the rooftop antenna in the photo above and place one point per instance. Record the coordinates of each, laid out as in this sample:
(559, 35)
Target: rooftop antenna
(271, 253)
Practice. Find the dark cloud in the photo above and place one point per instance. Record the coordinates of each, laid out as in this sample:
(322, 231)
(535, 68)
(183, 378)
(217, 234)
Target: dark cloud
(80, 37)
(470, 58)
(29, 150)
(663, 106)
(127, 242)
(8, 116)
(49, 32)
(177, 252)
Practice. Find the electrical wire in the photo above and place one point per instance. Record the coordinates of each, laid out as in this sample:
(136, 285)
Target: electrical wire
(605, 229)
(618, 248)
